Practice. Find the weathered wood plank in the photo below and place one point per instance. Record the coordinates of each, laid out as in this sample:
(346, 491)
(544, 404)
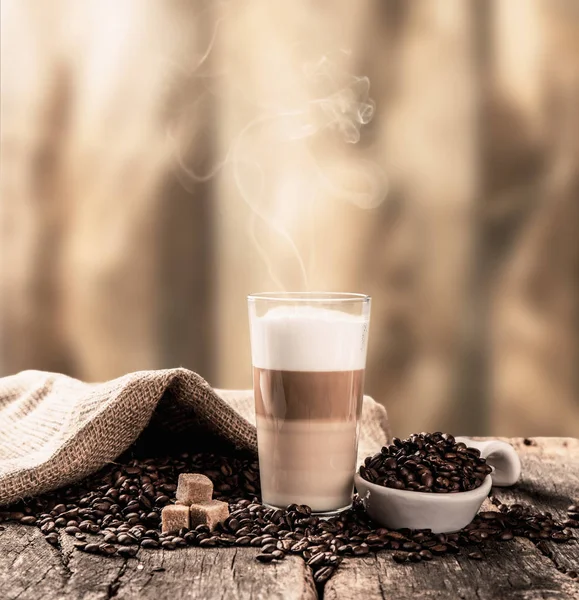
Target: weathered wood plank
(511, 570)
(550, 482)
(90, 577)
(214, 573)
(517, 569)
(30, 568)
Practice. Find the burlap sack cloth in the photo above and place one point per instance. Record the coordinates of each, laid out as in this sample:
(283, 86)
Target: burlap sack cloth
(55, 430)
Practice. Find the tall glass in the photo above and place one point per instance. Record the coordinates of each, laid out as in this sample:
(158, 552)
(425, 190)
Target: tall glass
(309, 356)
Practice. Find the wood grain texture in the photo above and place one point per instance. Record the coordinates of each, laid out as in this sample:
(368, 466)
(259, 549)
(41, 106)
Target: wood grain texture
(549, 481)
(517, 569)
(513, 570)
(30, 568)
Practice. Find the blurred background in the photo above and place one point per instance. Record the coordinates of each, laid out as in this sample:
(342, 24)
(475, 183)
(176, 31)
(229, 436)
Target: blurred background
(161, 159)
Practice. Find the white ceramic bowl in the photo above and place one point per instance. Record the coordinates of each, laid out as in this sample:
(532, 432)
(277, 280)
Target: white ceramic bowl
(442, 513)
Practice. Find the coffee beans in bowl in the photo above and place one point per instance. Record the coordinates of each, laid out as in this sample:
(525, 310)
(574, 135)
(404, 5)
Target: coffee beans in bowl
(427, 462)
(428, 481)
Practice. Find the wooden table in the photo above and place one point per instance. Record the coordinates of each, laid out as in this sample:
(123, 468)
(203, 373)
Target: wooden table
(31, 569)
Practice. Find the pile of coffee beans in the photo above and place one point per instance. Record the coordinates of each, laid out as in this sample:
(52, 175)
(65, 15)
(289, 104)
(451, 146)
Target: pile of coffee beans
(123, 501)
(117, 511)
(427, 462)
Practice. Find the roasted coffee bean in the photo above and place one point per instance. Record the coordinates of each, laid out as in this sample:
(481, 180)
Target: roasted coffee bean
(400, 557)
(226, 539)
(265, 558)
(28, 520)
(232, 524)
(360, 550)
(190, 537)
(202, 529)
(169, 545)
(72, 530)
(70, 514)
(244, 540)
(323, 574)
(108, 549)
(127, 551)
(92, 548)
(52, 538)
(316, 559)
(271, 529)
(89, 527)
(276, 516)
(126, 539)
(47, 527)
(476, 555)
(153, 533)
(300, 546)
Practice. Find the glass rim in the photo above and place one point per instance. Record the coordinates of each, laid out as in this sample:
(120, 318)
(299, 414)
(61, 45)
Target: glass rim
(312, 297)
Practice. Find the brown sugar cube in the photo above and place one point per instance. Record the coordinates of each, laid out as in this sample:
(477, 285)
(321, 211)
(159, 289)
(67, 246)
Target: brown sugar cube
(175, 517)
(208, 513)
(194, 487)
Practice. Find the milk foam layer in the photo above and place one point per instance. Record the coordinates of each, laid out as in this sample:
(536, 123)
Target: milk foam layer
(305, 338)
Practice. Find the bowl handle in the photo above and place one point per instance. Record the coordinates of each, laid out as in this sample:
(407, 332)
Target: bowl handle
(501, 456)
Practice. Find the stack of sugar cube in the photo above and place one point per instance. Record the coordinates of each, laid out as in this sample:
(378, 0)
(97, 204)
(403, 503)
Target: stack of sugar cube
(194, 506)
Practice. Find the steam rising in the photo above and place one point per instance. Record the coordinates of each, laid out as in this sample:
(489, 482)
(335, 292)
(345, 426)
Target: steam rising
(342, 105)
(294, 150)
